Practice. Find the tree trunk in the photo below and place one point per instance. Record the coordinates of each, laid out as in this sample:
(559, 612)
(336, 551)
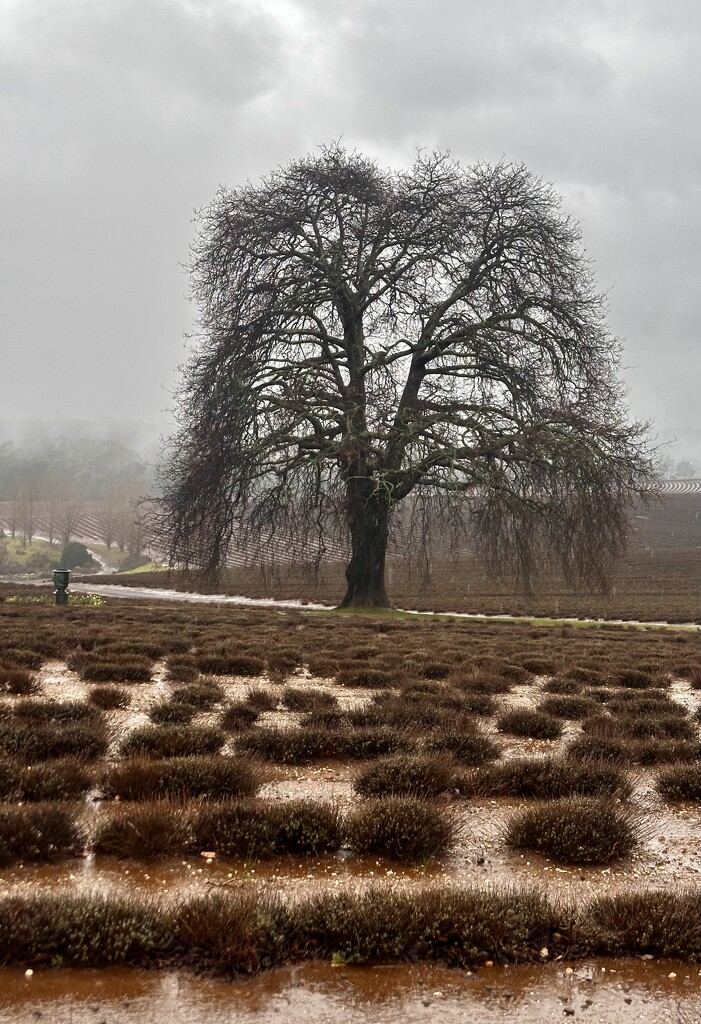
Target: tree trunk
(368, 521)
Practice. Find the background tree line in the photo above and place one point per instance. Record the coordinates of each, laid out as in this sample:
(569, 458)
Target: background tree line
(60, 489)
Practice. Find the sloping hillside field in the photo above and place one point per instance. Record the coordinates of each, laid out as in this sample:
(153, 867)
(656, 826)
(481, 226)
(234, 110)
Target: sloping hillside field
(212, 792)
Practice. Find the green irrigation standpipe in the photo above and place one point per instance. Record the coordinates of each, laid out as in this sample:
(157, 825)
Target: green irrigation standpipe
(61, 578)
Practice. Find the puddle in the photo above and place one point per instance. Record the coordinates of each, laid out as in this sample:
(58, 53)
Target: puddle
(648, 992)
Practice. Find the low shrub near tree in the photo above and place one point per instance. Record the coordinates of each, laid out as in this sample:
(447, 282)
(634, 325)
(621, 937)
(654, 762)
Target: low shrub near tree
(577, 830)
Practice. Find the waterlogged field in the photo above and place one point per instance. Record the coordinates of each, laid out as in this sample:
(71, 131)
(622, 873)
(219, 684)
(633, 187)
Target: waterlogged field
(217, 791)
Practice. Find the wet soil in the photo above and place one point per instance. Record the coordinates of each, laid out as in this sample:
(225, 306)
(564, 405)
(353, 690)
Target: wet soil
(602, 991)
(622, 990)
(669, 856)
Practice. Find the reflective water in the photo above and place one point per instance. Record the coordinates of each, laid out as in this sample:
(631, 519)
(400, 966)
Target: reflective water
(599, 993)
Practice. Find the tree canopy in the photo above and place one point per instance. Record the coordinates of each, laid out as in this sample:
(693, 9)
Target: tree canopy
(370, 336)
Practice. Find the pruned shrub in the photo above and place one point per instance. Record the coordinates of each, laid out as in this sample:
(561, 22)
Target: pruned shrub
(238, 716)
(550, 778)
(454, 925)
(640, 727)
(364, 676)
(110, 697)
(235, 933)
(633, 703)
(258, 830)
(50, 780)
(215, 778)
(402, 828)
(167, 713)
(230, 664)
(21, 657)
(596, 748)
(181, 668)
(82, 930)
(202, 695)
(296, 698)
(131, 669)
(44, 741)
(523, 721)
(322, 667)
(58, 712)
(468, 746)
(301, 746)
(587, 675)
(173, 741)
(484, 681)
(566, 706)
(682, 782)
(659, 923)
(540, 666)
(18, 681)
(636, 679)
(563, 687)
(143, 831)
(262, 699)
(406, 775)
(577, 830)
(38, 832)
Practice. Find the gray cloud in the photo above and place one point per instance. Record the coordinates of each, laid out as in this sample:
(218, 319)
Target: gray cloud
(119, 118)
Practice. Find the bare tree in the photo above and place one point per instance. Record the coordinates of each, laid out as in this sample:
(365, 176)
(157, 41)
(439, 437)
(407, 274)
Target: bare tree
(369, 335)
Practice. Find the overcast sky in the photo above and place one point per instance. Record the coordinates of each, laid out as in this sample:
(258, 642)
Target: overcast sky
(120, 117)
